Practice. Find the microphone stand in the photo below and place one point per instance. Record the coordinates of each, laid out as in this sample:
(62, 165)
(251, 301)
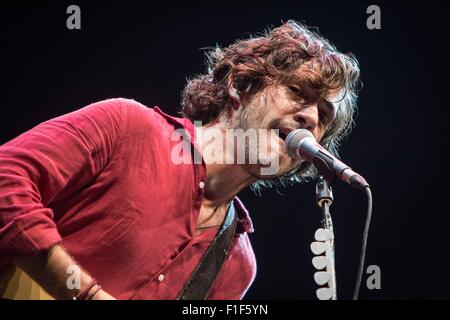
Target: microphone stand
(324, 199)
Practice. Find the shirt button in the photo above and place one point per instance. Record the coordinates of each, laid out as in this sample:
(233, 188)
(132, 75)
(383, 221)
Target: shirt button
(160, 277)
(201, 184)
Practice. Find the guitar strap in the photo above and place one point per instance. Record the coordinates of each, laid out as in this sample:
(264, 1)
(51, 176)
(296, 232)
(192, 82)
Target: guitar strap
(198, 285)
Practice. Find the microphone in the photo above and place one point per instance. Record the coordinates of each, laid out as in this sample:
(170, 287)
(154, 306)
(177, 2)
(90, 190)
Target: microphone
(300, 144)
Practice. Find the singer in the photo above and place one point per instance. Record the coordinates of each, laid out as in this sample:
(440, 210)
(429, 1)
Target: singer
(99, 195)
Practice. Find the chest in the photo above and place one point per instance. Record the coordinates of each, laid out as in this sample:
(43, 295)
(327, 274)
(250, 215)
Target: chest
(210, 217)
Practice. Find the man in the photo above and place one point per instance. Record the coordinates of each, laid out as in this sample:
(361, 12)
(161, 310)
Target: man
(102, 191)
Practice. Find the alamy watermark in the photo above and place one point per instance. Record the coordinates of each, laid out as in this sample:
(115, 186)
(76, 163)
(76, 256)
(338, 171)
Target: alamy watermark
(74, 279)
(374, 280)
(374, 20)
(230, 146)
(73, 22)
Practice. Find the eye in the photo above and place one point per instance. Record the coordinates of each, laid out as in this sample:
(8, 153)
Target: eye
(323, 117)
(297, 91)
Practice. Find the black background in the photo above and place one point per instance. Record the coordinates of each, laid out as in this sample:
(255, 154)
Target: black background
(145, 51)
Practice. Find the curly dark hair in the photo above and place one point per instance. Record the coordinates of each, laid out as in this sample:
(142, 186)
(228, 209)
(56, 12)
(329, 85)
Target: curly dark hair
(283, 55)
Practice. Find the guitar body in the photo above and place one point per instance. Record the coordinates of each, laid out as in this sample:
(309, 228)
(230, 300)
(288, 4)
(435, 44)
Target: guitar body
(17, 285)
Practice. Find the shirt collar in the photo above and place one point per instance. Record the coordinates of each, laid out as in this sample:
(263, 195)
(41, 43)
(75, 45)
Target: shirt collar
(243, 216)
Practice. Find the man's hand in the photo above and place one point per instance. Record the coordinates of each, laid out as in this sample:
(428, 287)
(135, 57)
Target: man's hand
(102, 295)
(49, 270)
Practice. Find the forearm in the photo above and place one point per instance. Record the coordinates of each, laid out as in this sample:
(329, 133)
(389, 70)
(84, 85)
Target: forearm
(51, 269)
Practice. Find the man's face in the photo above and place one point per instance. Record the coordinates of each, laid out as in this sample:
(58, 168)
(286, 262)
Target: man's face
(284, 108)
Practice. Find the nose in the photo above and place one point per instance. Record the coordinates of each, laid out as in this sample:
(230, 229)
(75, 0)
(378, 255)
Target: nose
(308, 117)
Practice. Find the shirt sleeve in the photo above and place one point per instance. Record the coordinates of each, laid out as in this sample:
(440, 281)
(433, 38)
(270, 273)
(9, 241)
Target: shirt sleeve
(45, 164)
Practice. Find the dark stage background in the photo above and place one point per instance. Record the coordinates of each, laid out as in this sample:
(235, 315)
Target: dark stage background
(145, 51)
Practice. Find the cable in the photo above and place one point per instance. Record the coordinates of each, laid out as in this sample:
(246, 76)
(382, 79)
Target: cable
(364, 243)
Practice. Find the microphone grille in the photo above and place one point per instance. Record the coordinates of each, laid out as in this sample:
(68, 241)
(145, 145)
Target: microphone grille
(293, 141)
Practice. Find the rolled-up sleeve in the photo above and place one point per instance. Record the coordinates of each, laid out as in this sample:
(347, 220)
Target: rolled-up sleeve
(45, 164)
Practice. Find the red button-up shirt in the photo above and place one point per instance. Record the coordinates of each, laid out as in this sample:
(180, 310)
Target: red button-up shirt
(101, 182)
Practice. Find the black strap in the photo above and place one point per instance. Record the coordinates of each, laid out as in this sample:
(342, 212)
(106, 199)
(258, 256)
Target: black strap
(200, 282)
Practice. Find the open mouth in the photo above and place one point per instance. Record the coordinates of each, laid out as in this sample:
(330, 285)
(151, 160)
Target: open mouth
(283, 133)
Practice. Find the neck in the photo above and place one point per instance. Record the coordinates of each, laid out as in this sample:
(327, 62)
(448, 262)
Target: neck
(223, 180)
